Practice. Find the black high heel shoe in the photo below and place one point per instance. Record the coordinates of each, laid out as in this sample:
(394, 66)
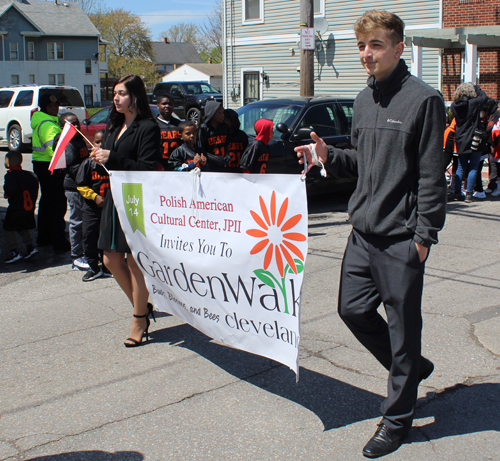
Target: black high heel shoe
(151, 312)
(134, 342)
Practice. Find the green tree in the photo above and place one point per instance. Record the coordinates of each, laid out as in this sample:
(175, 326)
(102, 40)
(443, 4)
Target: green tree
(130, 50)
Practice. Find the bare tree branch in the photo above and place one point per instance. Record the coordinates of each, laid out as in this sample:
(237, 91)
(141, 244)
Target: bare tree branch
(89, 6)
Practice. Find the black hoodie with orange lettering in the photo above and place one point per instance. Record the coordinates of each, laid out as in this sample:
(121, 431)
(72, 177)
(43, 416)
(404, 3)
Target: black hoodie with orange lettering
(170, 139)
(214, 139)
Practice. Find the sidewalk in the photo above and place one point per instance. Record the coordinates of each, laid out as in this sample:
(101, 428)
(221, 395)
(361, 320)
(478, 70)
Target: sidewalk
(71, 391)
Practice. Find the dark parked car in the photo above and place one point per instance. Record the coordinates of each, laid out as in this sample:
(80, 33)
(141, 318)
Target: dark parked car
(294, 119)
(99, 120)
(189, 97)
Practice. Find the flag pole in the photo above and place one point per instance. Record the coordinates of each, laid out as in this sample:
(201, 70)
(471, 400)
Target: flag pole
(84, 137)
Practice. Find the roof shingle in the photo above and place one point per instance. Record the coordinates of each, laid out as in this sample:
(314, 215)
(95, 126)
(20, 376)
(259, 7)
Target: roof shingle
(63, 18)
(175, 53)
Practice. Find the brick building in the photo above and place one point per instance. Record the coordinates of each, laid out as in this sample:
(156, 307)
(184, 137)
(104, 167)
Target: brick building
(470, 44)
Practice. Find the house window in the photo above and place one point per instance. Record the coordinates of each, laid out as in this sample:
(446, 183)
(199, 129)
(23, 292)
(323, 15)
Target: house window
(319, 7)
(253, 11)
(88, 66)
(15, 79)
(56, 79)
(31, 51)
(55, 51)
(31, 78)
(14, 53)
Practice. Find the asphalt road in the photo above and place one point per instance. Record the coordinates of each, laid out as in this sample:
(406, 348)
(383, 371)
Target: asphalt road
(70, 391)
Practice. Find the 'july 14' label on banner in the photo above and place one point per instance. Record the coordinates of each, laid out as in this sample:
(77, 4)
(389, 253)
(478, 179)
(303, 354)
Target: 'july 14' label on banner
(224, 252)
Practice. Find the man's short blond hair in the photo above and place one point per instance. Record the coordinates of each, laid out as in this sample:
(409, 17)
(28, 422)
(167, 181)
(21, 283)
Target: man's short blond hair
(378, 19)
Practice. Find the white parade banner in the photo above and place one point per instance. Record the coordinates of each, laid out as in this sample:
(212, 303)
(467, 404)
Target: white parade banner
(223, 252)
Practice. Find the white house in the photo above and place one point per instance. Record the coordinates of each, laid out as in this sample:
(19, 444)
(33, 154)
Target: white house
(211, 73)
(262, 46)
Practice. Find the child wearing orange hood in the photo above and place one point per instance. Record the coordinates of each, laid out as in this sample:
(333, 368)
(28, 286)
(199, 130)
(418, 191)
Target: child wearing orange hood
(256, 155)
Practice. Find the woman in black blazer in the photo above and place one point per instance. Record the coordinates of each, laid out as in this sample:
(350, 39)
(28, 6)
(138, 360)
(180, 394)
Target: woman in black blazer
(131, 143)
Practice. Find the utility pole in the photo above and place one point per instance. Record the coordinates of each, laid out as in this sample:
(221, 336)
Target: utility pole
(307, 56)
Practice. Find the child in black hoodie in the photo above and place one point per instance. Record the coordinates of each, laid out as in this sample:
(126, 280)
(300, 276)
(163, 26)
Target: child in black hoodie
(212, 137)
(92, 181)
(21, 189)
(237, 140)
(256, 155)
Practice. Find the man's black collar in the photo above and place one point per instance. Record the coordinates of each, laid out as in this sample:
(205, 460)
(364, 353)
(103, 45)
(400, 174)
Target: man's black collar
(393, 82)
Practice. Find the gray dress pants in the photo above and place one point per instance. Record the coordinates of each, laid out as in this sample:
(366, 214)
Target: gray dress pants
(386, 270)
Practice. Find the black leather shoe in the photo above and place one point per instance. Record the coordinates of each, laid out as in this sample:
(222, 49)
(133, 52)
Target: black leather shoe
(383, 442)
(427, 367)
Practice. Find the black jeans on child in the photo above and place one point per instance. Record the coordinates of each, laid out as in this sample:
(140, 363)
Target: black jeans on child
(91, 225)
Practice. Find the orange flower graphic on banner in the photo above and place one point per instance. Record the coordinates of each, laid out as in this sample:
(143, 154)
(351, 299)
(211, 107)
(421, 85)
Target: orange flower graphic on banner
(277, 240)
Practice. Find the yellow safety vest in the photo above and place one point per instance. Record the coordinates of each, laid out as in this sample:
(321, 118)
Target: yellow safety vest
(45, 128)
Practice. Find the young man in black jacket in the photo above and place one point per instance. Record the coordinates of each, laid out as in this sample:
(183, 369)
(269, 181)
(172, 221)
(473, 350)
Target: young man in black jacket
(213, 137)
(169, 130)
(396, 211)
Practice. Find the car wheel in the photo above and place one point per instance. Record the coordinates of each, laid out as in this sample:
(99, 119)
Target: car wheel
(15, 136)
(193, 115)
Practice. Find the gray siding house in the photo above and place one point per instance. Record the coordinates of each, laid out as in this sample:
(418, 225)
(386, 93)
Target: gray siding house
(262, 49)
(50, 42)
(170, 56)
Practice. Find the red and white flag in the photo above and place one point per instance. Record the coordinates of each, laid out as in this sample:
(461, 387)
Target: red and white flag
(59, 159)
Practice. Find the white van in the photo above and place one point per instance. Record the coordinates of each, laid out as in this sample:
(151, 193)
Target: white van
(17, 104)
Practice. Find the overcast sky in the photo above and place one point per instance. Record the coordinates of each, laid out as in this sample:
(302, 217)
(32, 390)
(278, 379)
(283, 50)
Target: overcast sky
(159, 15)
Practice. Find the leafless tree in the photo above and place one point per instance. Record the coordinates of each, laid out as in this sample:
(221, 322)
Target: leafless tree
(181, 32)
(89, 6)
(206, 38)
(211, 32)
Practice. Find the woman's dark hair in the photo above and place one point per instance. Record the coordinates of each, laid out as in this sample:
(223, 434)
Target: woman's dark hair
(137, 91)
(232, 116)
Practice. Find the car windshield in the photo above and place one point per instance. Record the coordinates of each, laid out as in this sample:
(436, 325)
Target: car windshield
(66, 96)
(199, 88)
(284, 112)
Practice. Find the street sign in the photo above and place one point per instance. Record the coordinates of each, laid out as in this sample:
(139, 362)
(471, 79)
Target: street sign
(307, 38)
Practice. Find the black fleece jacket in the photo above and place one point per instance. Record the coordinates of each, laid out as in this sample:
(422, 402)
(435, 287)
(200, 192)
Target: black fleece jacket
(397, 134)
